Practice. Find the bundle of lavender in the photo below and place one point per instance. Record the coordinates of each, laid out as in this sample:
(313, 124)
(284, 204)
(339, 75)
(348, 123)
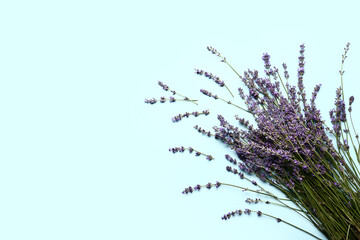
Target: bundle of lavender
(291, 148)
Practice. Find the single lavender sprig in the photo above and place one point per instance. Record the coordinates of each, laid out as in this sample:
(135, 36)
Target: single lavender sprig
(286, 73)
(314, 94)
(178, 117)
(223, 59)
(198, 187)
(250, 200)
(166, 88)
(351, 100)
(301, 72)
(163, 100)
(190, 149)
(241, 93)
(244, 123)
(203, 131)
(209, 94)
(268, 71)
(247, 211)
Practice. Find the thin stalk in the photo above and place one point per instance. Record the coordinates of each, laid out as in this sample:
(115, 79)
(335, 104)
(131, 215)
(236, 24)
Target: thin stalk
(248, 189)
(229, 90)
(228, 102)
(282, 205)
(347, 234)
(292, 225)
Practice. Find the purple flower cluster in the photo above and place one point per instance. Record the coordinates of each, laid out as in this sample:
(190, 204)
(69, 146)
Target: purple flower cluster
(203, 131)
(235, 171)
(241, 93)
(162, 100)
(244, 123)
(178, 118)
(301, 72)
(288, 144)
(190, 149)
(286, 73)
(210, 76)
(288, 147)
(232, 214)
(256, 200)
(166, 87)
(214, 51)
(198, 187)
(209, 94)
(338, 114)
(246, 211)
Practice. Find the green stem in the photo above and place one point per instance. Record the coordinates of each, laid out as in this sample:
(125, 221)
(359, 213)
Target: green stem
(292, 225)
(248, 189)
(229, 90)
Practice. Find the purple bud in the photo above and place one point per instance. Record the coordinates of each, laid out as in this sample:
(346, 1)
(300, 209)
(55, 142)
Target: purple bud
(209, 157)
(191, 149)
(351, 100)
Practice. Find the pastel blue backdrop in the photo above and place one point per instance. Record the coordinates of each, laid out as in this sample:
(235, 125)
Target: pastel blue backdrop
(83, 157)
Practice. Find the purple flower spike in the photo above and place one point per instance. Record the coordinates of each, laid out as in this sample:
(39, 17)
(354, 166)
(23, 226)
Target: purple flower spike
(286, 73)
(164, 86)
(241, 93)
(178, 117)
(266, 59)
(207, 93)
(210, 76)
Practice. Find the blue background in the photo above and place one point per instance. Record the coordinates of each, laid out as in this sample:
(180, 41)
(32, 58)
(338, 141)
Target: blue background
(82, 156)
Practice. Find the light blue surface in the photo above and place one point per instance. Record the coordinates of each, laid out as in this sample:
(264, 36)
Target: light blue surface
(82, 156)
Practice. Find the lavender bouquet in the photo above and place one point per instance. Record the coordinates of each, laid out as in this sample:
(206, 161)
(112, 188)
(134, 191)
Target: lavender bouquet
(291, 148)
